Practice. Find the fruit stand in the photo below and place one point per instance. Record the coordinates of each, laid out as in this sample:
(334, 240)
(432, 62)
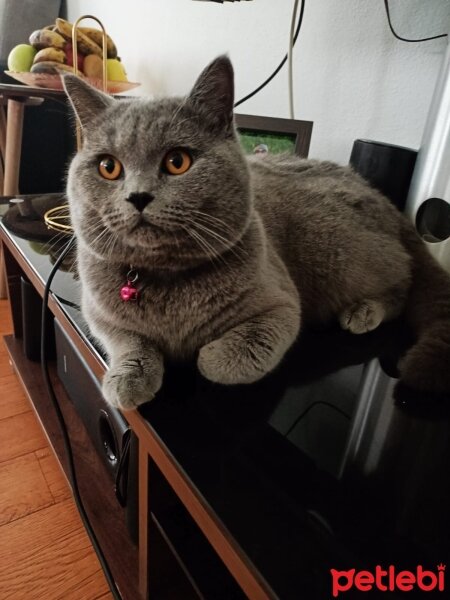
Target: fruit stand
(51, 51)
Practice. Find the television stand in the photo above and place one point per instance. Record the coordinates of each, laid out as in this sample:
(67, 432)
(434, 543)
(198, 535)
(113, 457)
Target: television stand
(248, 491)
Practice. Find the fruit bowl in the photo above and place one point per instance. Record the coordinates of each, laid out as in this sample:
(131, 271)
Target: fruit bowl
(54, 82)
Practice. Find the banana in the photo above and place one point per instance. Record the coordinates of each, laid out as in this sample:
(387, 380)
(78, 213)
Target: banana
(45, 38)
(84, 44)
(97, 36)
(50, 67)
(64, 28)
(50, 54)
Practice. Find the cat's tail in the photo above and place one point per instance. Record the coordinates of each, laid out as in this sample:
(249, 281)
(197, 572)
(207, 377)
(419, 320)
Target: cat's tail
(426, 365)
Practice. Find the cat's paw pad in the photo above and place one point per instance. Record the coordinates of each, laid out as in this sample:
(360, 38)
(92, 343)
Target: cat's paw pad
(362, 317)
(230, 361)
(131, 382)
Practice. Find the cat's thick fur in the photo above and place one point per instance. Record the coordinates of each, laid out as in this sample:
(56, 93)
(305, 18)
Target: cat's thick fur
(236, 253)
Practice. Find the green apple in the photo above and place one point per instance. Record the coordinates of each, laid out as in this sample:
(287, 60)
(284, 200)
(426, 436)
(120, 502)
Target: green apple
(115, 70)
(21, 57)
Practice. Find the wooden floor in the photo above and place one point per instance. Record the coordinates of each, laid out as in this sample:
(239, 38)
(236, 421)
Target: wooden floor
(44, 550)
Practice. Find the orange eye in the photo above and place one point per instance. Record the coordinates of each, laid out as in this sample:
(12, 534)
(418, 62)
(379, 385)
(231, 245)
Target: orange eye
(177, 162)
(109, 167)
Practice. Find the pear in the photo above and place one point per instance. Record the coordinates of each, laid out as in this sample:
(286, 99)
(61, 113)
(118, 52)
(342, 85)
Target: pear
(115, 70)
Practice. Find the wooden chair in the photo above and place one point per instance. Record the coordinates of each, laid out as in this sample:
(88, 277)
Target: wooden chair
(11, 127)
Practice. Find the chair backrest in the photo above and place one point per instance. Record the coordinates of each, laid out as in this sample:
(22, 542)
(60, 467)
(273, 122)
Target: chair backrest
(19, 19)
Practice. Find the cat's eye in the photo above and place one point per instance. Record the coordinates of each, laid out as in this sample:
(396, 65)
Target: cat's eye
(109, 167)
(177, 161)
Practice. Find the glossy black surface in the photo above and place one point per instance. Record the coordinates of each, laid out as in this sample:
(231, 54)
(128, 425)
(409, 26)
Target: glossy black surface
(314, 467)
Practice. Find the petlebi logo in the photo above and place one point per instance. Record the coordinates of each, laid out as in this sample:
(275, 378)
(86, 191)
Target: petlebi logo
(388, 580)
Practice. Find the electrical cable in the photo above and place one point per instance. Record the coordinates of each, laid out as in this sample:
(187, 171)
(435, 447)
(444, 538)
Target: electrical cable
(122, 470)
(308, 408)
(278, 69)
(402, 39)
(65, 435)
(290, 57)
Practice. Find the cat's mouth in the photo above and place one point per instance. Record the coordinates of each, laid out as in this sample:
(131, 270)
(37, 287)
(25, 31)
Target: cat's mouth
(146, 232)
(141, 224)
(144, 223)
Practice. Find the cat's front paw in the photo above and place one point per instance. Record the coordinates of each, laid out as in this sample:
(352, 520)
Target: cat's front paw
(362, 317)
(232, 360)
(131, 382)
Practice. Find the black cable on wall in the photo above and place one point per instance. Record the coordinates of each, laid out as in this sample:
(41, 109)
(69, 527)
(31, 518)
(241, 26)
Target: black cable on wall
(402, 39)
(280, 66)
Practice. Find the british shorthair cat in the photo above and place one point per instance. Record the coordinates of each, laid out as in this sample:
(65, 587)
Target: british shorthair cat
(188, 248)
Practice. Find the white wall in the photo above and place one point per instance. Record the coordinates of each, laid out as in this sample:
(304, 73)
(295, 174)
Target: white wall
(352, 77)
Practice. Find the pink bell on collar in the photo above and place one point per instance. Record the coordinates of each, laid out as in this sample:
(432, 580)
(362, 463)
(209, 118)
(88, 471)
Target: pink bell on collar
(129, 292)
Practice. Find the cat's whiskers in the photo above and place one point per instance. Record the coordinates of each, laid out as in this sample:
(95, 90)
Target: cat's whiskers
(212, 218)
(228, 235)
(73, 265)
(217, 226)
(181, 219)
(103, 240)
(54, 241)
(219, 254)
(93, 226)
(110, 246)
(210, 224)
(205, 247)
(213, 221)
(98, 238)
(91, 230)
(197, 240)
(228, 245)
(168, 219)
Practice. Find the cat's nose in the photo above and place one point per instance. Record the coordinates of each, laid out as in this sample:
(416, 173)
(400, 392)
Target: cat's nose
(140, 200)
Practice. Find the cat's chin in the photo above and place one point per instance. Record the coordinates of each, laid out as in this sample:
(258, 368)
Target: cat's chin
(164, 251)
(146, 235)
(145, 244)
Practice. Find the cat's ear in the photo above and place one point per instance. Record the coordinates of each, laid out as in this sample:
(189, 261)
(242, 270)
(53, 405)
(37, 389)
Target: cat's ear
(213, 95)
(86, 101)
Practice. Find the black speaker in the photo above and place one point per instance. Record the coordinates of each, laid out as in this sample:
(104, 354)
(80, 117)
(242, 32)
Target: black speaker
(387, 167)
(105, 425)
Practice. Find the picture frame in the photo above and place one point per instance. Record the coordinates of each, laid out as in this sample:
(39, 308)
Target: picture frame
(279, 135)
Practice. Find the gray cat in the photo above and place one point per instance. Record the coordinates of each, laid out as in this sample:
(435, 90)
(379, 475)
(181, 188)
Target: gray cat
(230, 255)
